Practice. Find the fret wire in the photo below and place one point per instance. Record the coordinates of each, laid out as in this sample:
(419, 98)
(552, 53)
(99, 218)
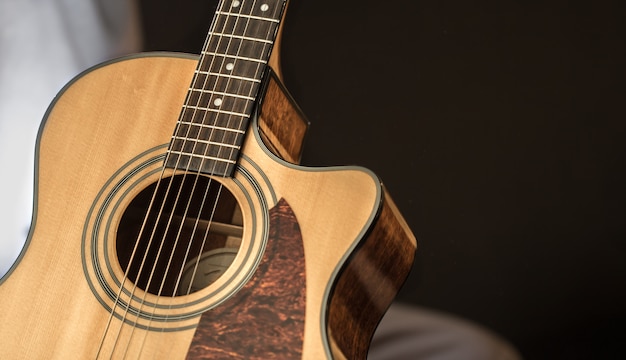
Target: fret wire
(239, 46)
(240, 66)
(207, 142)
(235, 57)
(206, 157)
(215, 127)
(258, 40)
(248, 16)
(228, 85)
(254, 7)
(217, 111)
(210, 73)
(204, 91)
(253, 44)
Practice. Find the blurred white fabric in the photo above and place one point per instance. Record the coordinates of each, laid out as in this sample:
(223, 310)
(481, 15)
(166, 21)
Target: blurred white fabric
(43, 44)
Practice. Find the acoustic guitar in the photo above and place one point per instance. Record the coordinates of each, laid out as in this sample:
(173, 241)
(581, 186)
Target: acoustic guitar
(172, 220)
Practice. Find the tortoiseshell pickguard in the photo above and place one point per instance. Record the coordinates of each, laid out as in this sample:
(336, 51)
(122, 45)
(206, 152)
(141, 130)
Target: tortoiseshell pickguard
(265, 319)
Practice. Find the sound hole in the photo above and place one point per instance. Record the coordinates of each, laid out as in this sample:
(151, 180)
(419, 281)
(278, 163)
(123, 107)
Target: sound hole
(185, 240)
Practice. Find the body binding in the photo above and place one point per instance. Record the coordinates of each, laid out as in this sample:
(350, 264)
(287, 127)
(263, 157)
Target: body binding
(357, 248)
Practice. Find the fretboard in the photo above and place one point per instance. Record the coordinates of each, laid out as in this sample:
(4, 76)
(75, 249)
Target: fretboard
(222, 96)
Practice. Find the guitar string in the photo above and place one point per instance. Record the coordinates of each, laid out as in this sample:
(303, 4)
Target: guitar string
(143, 227)
(230, 117)
(140, 234)
(218, 195)
(130, 263)
(193, 191)
(238, 51)
(202, 206)
(185, 172)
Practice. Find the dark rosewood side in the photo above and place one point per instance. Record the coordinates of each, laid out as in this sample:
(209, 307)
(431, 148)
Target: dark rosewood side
(282, 124)
(369, 282)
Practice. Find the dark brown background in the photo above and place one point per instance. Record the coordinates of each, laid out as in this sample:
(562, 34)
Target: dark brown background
(499, 128)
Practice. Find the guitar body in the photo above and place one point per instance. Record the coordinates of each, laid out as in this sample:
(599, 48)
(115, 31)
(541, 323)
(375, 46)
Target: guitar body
(313, 256)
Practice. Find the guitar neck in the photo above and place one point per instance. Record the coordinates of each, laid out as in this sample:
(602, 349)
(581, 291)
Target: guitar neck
(223, 92)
